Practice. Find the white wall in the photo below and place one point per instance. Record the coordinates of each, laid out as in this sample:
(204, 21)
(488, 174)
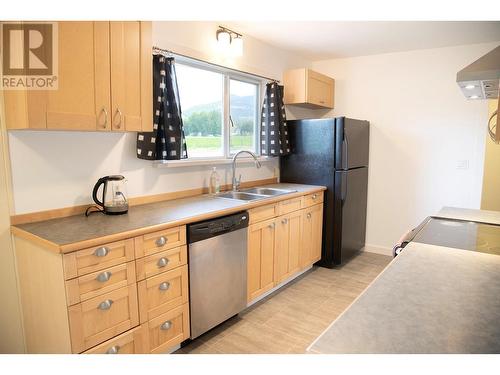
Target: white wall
(421, 128)
(58, 169)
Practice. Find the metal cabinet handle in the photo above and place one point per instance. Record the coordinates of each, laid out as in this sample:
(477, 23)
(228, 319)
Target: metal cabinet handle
(105, 305)
(164, 286)
(162, 262)
(105, 111)
(161, 241)
(284, 221)
(272, 225)
(121, 115)
(113, 350)
(166, 326)
(101, 251)
(309, 215)
(315, 196)
(103, 276)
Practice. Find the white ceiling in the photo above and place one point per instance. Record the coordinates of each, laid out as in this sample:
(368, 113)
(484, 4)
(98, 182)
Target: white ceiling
(336, 39)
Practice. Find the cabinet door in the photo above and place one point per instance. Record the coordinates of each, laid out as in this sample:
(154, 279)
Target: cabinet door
(320, 89)
(288, 243)
(317, 232)
(312, 224)
(261, 243)
(131, 76)
(83, 95)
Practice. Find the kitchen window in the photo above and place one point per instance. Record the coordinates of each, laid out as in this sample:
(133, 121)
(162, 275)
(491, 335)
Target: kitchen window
(220, 109)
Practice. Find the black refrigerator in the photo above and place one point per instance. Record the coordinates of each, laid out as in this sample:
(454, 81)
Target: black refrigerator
(333, 152)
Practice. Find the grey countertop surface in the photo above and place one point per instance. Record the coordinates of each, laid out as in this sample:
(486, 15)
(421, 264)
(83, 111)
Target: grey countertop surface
(429, 299)
(75, 229)
(469, 214)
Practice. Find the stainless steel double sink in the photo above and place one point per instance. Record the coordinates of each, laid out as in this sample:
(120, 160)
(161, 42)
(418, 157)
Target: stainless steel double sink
(253, 193)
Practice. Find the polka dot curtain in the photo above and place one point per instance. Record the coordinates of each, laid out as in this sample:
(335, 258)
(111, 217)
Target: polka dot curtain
(166, 141)
(274, 139)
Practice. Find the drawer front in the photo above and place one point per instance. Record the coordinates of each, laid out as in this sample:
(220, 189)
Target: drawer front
(262, 213)
(163, 292)
(97, 283)
(97, 258)
(165, 261)
(289, 205)
(99, 319)
(130, 342)
(168, 330)
(312, 199)
(156, 242)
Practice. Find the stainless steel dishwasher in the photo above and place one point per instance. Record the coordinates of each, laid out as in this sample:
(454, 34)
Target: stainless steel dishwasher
(217, 270)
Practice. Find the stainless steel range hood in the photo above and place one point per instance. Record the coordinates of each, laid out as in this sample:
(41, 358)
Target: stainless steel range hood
(479, 80)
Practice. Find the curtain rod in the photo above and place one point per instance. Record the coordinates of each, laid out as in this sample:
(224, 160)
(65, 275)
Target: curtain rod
(169, 53)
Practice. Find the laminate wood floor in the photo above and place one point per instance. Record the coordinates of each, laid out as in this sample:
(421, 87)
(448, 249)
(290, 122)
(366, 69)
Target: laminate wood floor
(289, 320)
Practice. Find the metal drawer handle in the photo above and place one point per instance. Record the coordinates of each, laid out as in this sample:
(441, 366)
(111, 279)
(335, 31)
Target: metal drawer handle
(103, 276)
(308, 215)
(166, 326)
(314, 196)
(161, 241)
(120, 118)
(113, 350)
(101, 251)
(284, 221)
(162, 262)
(164, 286)
(105, 111)
(272, 225)
(105, 305)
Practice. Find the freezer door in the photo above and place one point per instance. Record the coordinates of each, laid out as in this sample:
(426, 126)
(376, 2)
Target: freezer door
(352, 138)
(351, 188)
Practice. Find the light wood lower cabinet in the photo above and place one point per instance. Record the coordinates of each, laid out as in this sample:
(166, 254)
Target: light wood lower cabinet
(168, 330)
(133, 341)
(163, 292)
(288, 243)
(261, 242)
(103, 317)
(312, 232)
(284, 245)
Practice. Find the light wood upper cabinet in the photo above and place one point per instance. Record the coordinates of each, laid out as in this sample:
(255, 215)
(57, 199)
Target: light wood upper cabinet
(104, 81)
(130, 75)
(307, 88)
(261, 244)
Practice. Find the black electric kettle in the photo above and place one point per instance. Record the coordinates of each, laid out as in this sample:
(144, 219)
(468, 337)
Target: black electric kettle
(113, 200)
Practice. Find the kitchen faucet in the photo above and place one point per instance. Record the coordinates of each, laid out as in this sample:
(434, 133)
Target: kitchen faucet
(236, 182)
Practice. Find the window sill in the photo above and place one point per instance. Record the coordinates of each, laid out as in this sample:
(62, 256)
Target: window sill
(198, 162)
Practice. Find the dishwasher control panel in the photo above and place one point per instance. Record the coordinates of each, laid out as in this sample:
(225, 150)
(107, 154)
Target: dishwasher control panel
(214, 227)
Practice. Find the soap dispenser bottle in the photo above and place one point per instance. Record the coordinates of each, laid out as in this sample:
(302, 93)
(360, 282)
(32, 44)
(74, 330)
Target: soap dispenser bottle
(214, 182)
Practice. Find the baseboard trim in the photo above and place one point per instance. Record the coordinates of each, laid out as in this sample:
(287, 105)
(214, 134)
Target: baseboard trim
(378, 249)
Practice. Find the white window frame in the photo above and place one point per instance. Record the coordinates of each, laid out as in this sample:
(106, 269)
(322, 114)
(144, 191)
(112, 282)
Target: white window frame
(227, 74)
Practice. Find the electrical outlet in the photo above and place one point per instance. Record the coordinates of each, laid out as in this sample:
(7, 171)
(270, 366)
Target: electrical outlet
(463, 164)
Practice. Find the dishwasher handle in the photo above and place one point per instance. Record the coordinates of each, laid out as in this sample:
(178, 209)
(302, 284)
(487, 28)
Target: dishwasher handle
(215, 227)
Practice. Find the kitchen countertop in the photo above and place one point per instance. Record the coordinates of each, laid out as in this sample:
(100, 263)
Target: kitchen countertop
(429, 299)
(74, 232)
(482, 216)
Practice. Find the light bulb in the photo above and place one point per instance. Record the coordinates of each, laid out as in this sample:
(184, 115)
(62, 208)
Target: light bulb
(470, 87)
(473, 97)
(223, 39)
(237, 46)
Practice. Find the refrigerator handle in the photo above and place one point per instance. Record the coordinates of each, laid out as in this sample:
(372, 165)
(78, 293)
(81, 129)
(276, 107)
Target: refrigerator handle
(345, 152)
(343, 191)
